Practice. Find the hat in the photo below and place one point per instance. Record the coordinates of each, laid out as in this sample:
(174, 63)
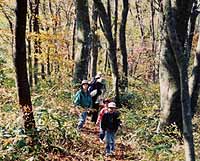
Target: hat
(98, 75)
(112, 105)
(84, 82)
(100, 80)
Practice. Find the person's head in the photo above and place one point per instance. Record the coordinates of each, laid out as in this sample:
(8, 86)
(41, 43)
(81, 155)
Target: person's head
(112, 106)
(84, 85)
(106, 101)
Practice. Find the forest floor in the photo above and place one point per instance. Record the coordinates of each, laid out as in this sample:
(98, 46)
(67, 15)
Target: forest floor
(59, 140)
(92, 149)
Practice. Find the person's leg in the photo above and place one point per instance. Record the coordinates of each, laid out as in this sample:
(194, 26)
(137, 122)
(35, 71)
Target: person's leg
(82, 119)
(95, 113)
(108, 140)
(101, 132)
(112, 137)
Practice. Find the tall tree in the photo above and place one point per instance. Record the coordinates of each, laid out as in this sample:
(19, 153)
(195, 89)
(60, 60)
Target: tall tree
(115, 23)
(30, 66)
(83, 41)
(122, 42)
(194, 82)
(95, 41)
(140, 19)
(175, 99)
(20, 67)
(153, 39)
(37, 41)
(195, 77)
(107, 30)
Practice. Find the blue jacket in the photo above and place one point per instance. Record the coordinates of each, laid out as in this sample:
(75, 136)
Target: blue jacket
(83, 99)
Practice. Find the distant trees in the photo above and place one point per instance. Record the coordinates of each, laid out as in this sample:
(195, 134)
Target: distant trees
(50, 30)
(21, 68)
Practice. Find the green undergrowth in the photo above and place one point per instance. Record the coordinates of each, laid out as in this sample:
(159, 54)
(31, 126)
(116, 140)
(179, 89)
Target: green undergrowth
(57, 137)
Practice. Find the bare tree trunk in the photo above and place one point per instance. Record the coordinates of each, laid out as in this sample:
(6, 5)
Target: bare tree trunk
(36, 43)
(95, 41)
(106, 61)
(194, 82)
(136, 64)
(30, 66)
(48, 63)
(21, 68)
(74, 39)
(152, 28)
(83, 41)
(46, 28)
(107, 29)
(195, 78)
(139, 17)
(122, 41)
(55, 64)
(175, 99)
(115, 23)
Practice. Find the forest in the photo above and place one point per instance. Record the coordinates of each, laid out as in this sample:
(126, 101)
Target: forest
(63, 62)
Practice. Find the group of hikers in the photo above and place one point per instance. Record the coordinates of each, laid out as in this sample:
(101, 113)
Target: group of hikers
(90, 101)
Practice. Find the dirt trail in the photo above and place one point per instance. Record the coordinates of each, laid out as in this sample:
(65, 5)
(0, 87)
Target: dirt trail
(89, 148)
(90, 134)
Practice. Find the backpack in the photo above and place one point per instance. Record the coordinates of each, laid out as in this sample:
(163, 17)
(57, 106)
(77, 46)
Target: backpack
(92, 85)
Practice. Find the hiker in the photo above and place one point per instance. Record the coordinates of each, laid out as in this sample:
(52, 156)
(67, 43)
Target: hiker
(99, 119)
(96, 99)
(83, 99)
(110, 123)
(92, 83)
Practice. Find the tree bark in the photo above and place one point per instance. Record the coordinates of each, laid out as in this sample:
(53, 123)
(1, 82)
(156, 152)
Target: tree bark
(195, 78)
(30, 66)
(194, 82)
(175, 99)
(107, 29)
(153, 39)
(122, 42)
(74, 39)
(83, 41)
(95, 41)
(46, 28)
(21, 68)
(36, 42)
(115, 23)
(139, 17)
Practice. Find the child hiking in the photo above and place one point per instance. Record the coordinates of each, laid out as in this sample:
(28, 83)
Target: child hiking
(99, 119)
(110, 123)
(83, 99)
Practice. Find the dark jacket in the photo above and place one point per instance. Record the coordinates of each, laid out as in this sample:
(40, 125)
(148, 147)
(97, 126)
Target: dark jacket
(97, 86)
(110, 121)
